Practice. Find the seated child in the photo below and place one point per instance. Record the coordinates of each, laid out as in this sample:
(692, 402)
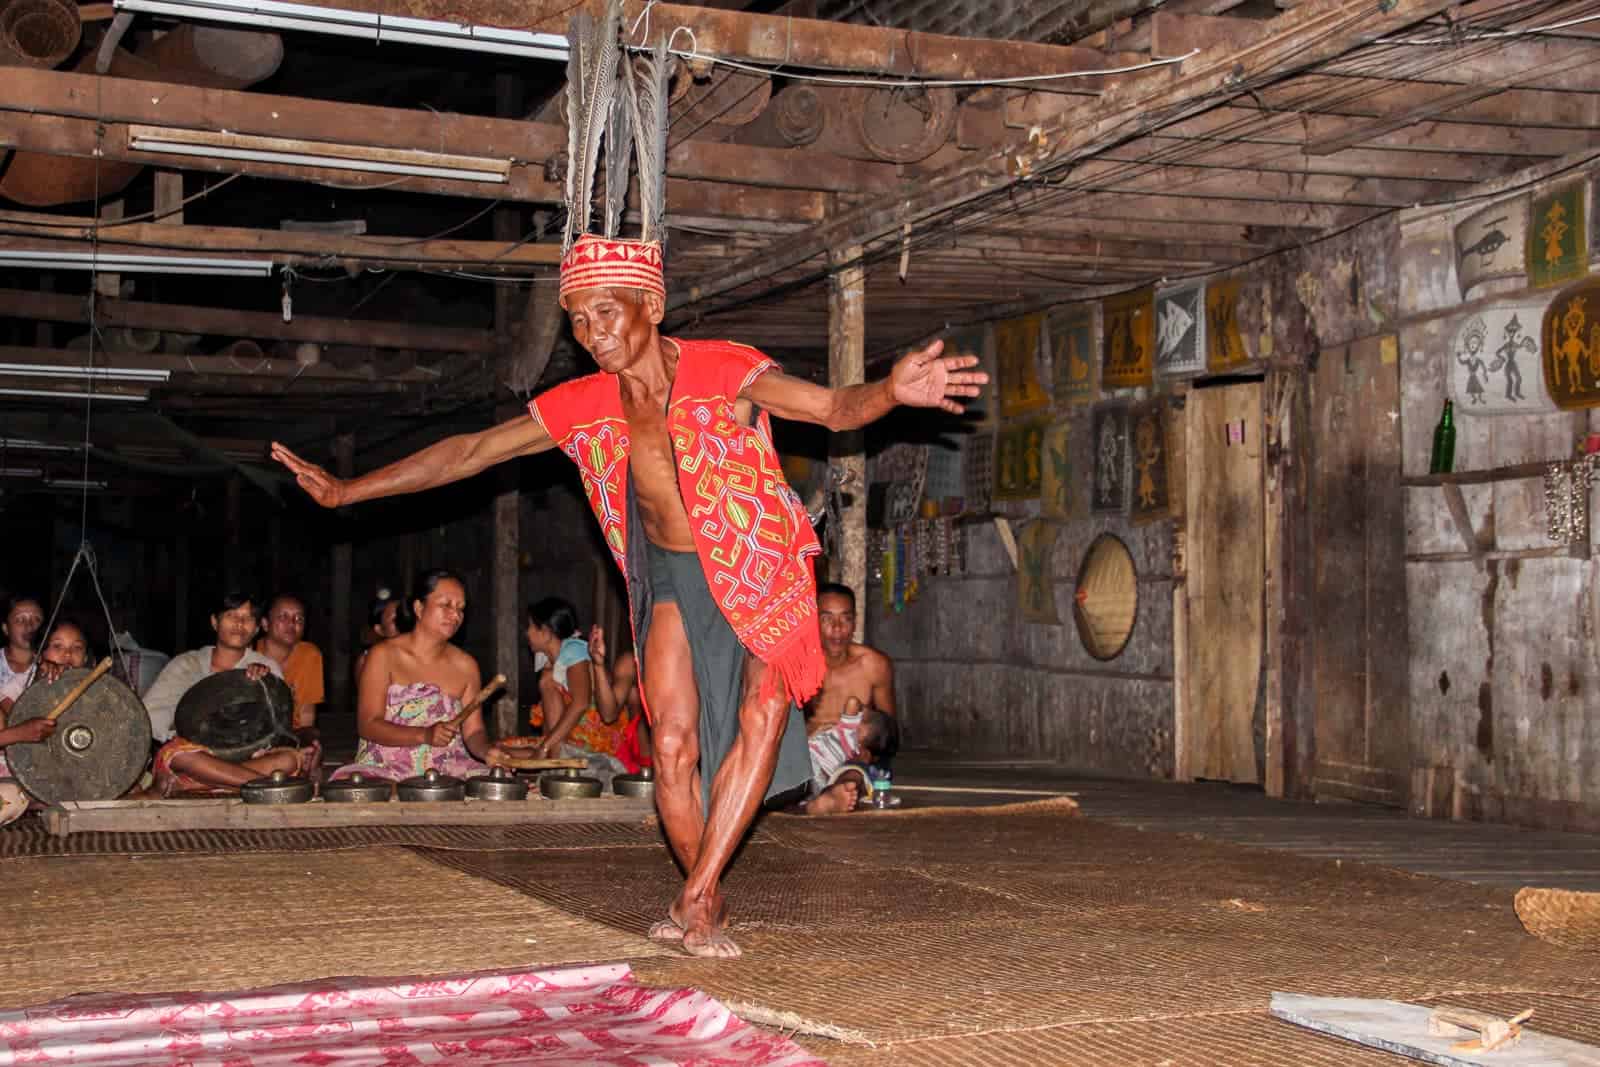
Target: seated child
(843, 752)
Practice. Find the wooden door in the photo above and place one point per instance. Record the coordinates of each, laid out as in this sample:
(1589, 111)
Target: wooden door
(1226, 585)
(1358, 609)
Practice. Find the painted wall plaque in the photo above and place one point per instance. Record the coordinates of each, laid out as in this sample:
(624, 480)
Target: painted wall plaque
(1057, 487)
(1016, 349)
(1494, 361)
(1181, 331)
(1017, 471)
(1150, 484)
(976, 341)
(1073, 354)
(1225, 349)
(1492, 243)
(1558, 237)
(1570, 343)
(1109, 494)
(1036, 587)
(1127, 333)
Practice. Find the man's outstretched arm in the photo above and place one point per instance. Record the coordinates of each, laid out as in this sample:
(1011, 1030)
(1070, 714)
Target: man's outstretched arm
(447, 461)
(924, 379)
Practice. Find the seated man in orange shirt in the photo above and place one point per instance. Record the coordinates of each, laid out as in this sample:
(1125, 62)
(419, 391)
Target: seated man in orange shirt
(301, 661)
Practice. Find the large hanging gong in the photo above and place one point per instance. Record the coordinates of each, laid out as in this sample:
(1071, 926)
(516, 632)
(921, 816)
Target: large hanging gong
(234, 717)
(100, 747)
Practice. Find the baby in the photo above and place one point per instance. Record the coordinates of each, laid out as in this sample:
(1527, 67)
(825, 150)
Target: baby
(841, 754)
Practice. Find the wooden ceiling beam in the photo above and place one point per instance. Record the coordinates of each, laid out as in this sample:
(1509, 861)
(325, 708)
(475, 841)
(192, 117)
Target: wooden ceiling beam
(1530, 63)
(881, 51)
(1215, 183)
(83, 115)
(1249, 125)
(1379, 99)
(1315, 31)
(186, 367)
(45, 232)
(256, 325)
(1444, 167)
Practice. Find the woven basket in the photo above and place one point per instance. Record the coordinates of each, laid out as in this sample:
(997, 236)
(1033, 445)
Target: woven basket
(1561, 916)
(38, 33)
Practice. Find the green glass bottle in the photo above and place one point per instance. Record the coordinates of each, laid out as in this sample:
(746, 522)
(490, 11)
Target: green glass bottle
(1443, 460)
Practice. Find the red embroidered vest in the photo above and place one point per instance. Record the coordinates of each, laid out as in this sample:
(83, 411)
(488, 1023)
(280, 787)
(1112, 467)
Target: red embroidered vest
(750, 529)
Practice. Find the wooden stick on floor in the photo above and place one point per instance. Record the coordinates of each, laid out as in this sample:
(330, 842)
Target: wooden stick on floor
(78, 690)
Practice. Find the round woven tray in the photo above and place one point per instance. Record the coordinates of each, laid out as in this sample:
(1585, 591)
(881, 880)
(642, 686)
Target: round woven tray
(1561, 916)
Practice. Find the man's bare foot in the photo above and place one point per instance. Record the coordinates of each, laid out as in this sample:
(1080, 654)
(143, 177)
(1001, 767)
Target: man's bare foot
(834, 800)
(704, 926)
(666, 930)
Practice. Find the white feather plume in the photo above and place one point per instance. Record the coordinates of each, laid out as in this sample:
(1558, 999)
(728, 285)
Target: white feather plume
(619, 151)
(648, 99)
(597, 87)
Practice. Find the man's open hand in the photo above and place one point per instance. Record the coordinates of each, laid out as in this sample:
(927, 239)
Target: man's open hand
(321, 486)
(926, 379)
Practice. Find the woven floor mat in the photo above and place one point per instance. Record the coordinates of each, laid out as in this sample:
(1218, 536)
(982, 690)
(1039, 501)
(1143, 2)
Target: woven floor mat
(1244, 1040)
(895, 931)
(222, 923)
(28, 838)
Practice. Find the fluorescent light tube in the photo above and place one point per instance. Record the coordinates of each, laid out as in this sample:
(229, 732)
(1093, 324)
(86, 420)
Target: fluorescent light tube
(52, 394)
(121, 263)
(99, 374)
(73, 483)
(314, 18)
(223, 145)
(36, 446)
(21, 472)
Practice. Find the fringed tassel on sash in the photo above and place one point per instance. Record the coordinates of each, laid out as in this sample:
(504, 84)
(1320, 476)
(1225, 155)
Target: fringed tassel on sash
(798, 665)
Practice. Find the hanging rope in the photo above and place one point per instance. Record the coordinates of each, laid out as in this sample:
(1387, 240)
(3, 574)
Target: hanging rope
(86, 557)
(85, 554)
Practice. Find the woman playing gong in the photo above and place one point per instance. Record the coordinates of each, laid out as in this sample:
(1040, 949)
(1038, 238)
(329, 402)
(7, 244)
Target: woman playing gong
(412, 688)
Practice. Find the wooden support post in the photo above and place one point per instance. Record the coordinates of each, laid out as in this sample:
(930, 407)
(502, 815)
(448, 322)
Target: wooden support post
(43, 332)
(109, 285)
(234, 525)
(1290, 696)
(507, 601)
(169, 197)
(344, 460)
(180, 594)
(847, 331)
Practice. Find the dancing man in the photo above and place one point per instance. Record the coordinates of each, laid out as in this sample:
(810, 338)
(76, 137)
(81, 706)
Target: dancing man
(713, 543)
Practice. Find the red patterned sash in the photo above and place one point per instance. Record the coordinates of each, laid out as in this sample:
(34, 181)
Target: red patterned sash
(750, 529)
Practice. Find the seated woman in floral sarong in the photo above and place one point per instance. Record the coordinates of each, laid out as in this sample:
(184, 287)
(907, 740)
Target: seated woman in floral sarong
(413, 685)
(566, 710)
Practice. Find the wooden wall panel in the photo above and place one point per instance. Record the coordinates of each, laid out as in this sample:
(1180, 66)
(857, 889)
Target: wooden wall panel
(1360, 665)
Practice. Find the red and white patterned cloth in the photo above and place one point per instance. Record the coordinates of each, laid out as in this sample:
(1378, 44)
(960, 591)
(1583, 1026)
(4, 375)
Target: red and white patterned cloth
(572, 1015)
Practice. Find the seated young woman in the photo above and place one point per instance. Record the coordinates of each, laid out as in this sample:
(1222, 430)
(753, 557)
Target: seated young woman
(413, 685)
(63, 649)
(617, 702)
(565, 711)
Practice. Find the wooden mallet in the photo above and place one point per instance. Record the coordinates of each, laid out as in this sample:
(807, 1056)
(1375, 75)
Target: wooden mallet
(495, 685)
(78, 690)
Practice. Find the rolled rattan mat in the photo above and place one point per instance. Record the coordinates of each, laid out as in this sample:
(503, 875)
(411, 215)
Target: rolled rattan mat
(898, 932)
(1561, 916)
(220, 923)
(28, 838)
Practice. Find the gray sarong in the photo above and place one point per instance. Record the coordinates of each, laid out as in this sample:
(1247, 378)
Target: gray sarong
(656, 575)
